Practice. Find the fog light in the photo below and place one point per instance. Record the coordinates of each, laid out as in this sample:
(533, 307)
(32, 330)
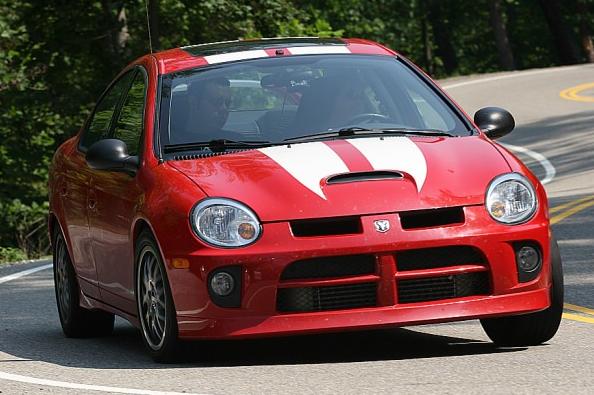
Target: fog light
(528, 259)
(222, 284)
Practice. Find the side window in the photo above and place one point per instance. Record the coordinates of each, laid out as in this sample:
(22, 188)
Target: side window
(99, 125)
(128, 127)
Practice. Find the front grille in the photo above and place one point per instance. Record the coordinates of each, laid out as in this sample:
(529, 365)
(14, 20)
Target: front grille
(326, 227)
(333, 266)
(444, 287)
(326, 298)
(431, 218)
(433, 258)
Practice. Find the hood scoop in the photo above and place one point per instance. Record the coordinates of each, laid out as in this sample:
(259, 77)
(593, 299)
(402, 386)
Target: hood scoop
(364, 176)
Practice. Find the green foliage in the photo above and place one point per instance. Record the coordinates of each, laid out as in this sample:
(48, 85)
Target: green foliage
(56, 58)
(11, 254)
(24, 226)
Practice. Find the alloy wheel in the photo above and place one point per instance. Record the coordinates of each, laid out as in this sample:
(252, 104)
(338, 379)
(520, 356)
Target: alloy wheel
(63, 286)
(151, 299)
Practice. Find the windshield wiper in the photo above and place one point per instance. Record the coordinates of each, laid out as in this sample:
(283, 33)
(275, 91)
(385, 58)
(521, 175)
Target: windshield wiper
(216, 145)
(361, 131)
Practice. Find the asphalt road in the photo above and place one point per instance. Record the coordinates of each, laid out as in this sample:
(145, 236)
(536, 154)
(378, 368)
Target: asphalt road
(447, 358)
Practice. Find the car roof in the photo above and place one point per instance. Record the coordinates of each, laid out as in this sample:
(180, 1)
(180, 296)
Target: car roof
(228, 51)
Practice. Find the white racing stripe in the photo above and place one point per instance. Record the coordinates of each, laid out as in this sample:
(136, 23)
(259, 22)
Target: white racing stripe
(83, 387)
(308, 163)
(16, 275)
(318, 49)
(540, 158)
(394, 153)
(233, 56)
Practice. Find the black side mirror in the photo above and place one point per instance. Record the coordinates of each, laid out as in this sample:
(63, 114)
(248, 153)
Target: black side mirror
(495, 122)
(111, 155)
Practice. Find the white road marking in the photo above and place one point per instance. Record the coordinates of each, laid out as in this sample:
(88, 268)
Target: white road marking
(511, 75)
(394, 153)
(540, 158)
(16, 275)
(318, 49)
(233, 56)
(84, 387)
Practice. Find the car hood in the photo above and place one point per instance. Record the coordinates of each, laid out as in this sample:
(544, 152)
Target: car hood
(375, 175)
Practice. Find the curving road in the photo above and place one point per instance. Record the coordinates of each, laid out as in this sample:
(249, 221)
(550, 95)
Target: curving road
(554, 136)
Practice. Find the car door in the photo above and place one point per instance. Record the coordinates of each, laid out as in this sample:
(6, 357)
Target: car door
(117, 196)
(75, 189)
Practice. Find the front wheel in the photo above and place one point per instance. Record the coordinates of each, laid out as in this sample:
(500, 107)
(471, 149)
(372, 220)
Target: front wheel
(156, 311)
(534, 328)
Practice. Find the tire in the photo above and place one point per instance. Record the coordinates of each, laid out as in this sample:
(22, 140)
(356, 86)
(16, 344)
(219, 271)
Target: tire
(76, 321)
(156, 311)
(534, 328)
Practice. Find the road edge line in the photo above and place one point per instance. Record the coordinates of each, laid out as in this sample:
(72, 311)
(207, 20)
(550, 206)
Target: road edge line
(86, 387)
(510, 75)
(23, 273)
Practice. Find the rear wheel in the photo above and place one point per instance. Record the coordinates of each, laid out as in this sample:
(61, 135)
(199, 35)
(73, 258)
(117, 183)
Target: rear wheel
(535, 328)
(76, 321)
(156, 311)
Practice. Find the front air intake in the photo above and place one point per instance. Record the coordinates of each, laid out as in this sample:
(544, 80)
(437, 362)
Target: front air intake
(432, 218)
(326, 227)
(331, 266)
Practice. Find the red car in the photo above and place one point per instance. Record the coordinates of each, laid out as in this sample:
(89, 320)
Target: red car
(290, 186)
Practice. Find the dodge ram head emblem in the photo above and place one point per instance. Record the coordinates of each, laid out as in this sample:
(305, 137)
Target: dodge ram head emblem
(382, 225)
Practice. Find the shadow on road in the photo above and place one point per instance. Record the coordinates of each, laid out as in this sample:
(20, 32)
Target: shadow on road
(124, 349)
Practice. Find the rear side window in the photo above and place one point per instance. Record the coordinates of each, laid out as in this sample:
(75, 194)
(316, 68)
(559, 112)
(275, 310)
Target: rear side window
(128, 128)
(99, 126)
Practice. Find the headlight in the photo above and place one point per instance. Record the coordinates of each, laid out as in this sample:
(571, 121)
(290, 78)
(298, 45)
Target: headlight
(511, 199)
(225, 223)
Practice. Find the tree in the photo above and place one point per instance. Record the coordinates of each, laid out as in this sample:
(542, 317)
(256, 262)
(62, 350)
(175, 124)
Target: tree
(564, 42)
(506, 57)
(585, 18)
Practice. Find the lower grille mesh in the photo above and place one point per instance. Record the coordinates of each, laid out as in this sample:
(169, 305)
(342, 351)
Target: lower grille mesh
(327, 298)
(444, 287)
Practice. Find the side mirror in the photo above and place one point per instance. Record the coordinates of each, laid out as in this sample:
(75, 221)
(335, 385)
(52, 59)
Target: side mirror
(495, 122)
(111, 155)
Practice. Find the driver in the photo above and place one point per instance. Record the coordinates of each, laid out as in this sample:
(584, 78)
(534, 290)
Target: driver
(209, 101)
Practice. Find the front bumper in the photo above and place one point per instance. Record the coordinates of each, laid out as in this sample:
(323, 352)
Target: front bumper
(264, 262)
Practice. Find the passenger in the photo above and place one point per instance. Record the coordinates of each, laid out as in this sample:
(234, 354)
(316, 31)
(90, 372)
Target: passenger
(330, 103)
(348, 103)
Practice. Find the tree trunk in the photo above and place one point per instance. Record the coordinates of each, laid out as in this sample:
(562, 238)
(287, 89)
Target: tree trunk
(566, 47)
(116, 37)
(428, 51)
(585, 36)
(153, 19)
(504, 51)
(441, 34)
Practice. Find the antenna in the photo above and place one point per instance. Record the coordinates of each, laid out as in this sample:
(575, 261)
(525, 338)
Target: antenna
(148, 24)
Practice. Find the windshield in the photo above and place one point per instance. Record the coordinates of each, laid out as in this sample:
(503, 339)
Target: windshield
(275, 99)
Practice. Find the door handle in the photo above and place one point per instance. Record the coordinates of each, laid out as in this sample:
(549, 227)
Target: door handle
(92, 200)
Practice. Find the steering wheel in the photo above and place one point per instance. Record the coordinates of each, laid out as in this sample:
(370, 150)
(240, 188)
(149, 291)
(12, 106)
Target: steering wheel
(367, 118)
